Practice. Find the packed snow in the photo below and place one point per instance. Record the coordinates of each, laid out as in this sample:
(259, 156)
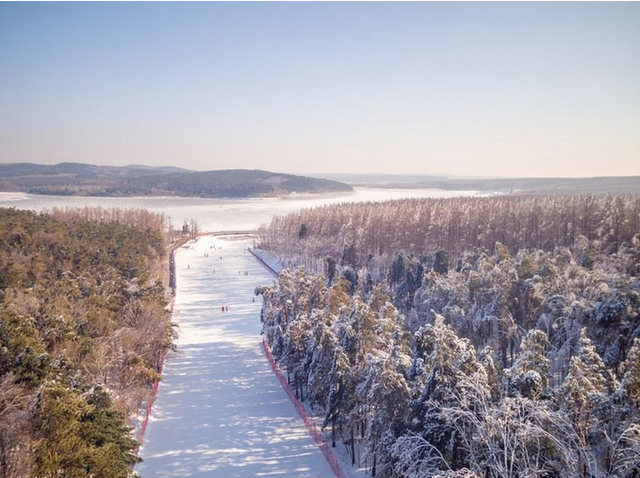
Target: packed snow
(220, 410)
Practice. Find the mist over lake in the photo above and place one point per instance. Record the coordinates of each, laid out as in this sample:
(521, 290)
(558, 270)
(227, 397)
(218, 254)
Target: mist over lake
(215, 215)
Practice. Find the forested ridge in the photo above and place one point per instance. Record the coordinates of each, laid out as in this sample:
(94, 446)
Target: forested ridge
(77, 179)
(475, 337)
(83, 326)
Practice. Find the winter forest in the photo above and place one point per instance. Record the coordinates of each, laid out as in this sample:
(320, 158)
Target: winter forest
(468, 337)
(83, 326)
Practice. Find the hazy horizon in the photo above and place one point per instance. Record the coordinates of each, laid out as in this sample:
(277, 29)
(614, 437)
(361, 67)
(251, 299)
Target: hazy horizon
(466, 89)
(336, 175)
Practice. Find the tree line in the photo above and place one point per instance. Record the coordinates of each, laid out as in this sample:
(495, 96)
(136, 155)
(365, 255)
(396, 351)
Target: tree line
(83, 326)
(351, 232)
(506, 344)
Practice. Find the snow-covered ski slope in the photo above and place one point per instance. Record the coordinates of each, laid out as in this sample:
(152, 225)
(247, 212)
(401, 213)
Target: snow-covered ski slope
(220, 411)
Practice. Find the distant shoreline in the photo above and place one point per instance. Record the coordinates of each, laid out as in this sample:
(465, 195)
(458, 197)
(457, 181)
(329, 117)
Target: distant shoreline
(86, 180)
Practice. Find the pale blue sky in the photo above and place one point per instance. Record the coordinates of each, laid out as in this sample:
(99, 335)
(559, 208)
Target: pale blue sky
(506, 89)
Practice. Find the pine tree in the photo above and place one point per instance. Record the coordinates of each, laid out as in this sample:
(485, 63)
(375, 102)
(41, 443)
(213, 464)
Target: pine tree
(451, 378)
(588, 383)
(81, 435)
(630, 385)
(341, 395)
(321, 351)
(528, 376)
(586, 396)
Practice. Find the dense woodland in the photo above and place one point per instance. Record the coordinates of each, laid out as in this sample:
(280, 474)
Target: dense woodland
(83, 326)
(469, 337)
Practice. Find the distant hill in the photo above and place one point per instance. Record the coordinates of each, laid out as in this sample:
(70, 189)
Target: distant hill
(598, 185)
(76, 179)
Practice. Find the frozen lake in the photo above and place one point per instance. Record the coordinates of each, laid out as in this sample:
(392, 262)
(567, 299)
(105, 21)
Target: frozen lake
(219, 214)
(220, 410)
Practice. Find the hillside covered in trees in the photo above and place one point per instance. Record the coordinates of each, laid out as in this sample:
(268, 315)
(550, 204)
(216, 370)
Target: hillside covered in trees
(83, 326)
(74, 179)
(469, 337)
(562, 186)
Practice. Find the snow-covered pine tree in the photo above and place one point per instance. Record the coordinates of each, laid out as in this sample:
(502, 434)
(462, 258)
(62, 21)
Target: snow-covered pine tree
(586, 396)
(630, 385)
(529, 375)
(451, 378)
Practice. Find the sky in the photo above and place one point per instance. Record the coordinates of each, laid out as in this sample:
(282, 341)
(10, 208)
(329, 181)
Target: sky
(473, 89)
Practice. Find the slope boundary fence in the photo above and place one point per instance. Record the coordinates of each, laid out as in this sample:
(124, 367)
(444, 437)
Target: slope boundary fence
(154, 386)
(308, 421)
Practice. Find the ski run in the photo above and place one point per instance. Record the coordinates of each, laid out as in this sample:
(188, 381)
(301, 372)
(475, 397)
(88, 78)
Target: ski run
(220, 410)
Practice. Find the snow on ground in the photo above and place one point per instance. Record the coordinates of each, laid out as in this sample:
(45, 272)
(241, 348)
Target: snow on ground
(272, 261)
(220, 410)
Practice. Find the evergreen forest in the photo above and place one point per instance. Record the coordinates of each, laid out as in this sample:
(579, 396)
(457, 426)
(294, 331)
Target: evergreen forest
(494, 337)
(83, 327)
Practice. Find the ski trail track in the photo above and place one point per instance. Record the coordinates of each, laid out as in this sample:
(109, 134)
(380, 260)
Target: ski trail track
(220, 411)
